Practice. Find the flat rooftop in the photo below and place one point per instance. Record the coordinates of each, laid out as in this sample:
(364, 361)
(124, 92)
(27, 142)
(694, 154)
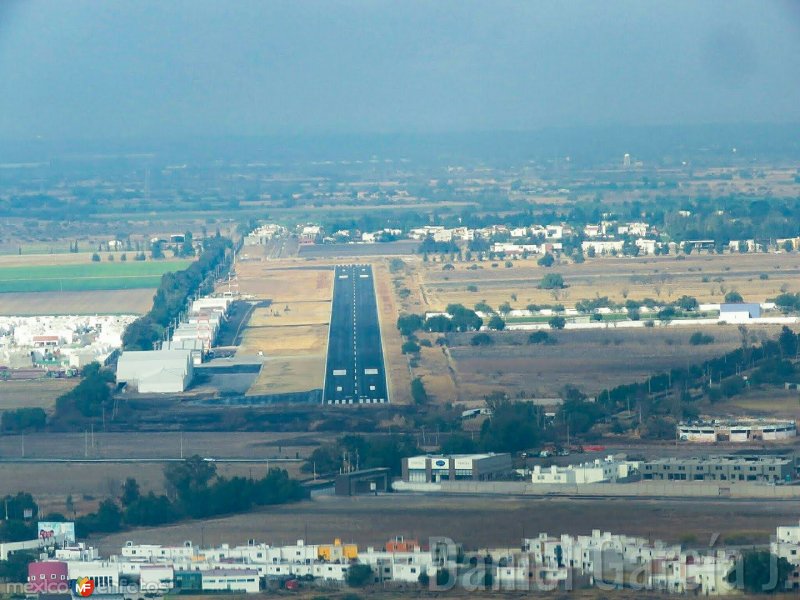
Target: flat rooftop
(725, 459)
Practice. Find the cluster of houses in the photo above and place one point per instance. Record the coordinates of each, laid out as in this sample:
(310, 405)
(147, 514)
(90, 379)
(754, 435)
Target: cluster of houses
(59, 343)
(544, 562)
(170, 369)
(263, 234)
(601, 239)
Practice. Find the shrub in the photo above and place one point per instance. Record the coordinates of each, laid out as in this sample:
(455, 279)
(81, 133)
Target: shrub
(540, 337)
(359, 575)
(698, 338)
(481, 339)
(546, 261)
(418, 392)
(557, 322)
(408, 324)
(733, 297)
(496, 323)
(410, 347)
(552, 281)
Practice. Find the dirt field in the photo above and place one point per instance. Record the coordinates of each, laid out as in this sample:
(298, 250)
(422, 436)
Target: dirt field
(706, 277)
(398, 376)
(52, 482)
(478, 522)
(129, 302)
(89, 483)
(290, 373)
(291, 313)
(777, 403)
(292, 333)
(593, 360)
(165, 445)
(38, 393)
(466, 373)
(271, 280)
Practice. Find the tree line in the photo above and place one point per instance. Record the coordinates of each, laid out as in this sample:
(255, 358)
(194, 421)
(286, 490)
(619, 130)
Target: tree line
(194, 491)
(171, 295)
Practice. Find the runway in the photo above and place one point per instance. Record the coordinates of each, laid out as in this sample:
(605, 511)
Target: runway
(354, 370)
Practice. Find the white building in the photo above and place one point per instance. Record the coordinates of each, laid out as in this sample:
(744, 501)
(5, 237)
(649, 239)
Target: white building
(510, 249)
(739, 312)
(156, 371)
(157, 552)
(231, 580)
(742, 430)
(608, 469)
(602, 246)
(787, 545)
(592, 231)
(261, 235)
(399, 566)
(156, 578)
(105, 574)
(638, 229)
(554, 232)
(645, 246)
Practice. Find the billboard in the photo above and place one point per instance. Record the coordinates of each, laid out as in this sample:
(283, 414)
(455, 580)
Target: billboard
(52, 529)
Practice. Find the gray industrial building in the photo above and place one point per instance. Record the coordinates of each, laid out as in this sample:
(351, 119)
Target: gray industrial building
(156, 371)
(474, 467)
(729, 468)
(366, 481)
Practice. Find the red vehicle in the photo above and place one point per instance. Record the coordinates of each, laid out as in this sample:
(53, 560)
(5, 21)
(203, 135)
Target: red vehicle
(594, 448)
(292, 584)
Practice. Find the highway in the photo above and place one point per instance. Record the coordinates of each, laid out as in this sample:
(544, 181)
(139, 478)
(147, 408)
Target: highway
(354, 370)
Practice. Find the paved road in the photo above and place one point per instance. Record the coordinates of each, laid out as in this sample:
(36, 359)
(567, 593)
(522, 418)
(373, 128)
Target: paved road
(354, 371)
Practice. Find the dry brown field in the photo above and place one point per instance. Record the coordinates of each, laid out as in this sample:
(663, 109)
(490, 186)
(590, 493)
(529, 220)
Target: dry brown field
(53, 482)
(612, 356)
(279, 341)
(478, 522)
(289, 373)
(131, 302)
(272, 280)
(291, 313)
(107, 445)
(592, 360)
(398, 375)
(761, 403)
(89, 483)
(292, 333)
(36, 393)
(665, 278)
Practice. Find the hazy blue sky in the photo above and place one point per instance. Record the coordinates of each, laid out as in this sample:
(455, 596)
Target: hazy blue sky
(106, 68)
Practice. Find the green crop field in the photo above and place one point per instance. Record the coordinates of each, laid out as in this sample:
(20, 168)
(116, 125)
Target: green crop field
(87, 277)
